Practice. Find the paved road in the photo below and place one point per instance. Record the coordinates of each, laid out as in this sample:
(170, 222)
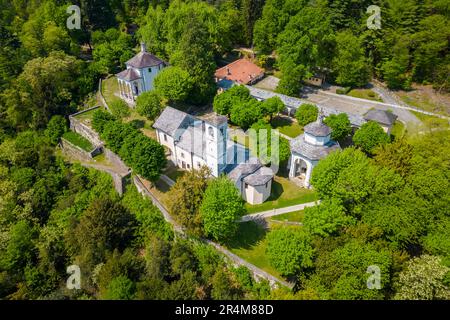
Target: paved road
(358, 106)
(277, 212)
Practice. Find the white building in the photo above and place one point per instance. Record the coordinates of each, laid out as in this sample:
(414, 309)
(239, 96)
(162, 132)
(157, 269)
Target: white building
(139, 75)
(308, 148)
(194, 142)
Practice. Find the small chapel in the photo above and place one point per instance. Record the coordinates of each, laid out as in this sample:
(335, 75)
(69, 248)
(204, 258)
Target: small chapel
(139, 75)
(308, 148)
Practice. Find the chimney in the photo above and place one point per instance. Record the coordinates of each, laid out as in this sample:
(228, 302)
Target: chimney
(143, 47)
(228, 71)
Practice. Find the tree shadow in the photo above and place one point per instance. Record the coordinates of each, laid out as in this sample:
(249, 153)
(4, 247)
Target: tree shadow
(247, 235)
(281, 121)
(277, 191)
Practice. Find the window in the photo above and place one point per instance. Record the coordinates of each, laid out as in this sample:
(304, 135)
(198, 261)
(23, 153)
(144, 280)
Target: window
(165, 137)
(199, 164)
(150, 70)
(182, 155)
(188, 166)
(211, 132)
(266, 184)
(246, 186)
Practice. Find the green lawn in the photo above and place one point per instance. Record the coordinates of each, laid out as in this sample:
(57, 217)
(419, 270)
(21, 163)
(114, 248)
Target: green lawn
(78, 140)
(287, 126)
(250, 244)
(284, 194)
(109, 88)
(364, 94)
(296, 216)
(86, 115)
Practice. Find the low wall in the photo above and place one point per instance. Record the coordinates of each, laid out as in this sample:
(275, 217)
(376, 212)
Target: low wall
(84, 130)
(115, 159)
(77, 152)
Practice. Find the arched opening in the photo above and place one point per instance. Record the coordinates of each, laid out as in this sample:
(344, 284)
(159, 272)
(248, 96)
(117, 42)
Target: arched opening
(301, 168)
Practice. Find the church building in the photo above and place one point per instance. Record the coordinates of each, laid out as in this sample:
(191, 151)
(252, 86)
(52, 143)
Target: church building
(308, 148)
(139, 75)
(194, 142)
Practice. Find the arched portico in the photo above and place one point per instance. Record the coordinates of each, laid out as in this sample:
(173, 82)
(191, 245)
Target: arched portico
(300, 170)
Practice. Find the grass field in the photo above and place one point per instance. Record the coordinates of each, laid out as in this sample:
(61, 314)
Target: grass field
(296, 216)
(287, 126)
(78, 140)
(364, 94)
(284, 194)
(250, 244)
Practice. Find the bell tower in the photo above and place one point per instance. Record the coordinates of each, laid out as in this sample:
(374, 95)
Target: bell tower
(216, 128)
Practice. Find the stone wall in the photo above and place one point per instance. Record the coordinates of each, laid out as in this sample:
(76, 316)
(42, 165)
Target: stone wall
(76, 152)
(115, 160)
(83, 129)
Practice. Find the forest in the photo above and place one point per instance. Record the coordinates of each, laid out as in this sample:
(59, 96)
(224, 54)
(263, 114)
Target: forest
(386, 206)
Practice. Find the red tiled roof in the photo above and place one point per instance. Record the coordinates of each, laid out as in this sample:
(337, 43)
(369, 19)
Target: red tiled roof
(241, 71)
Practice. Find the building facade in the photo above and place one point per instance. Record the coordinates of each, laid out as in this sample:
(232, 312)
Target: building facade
(193, 142)
(139, 75)
(307, 149)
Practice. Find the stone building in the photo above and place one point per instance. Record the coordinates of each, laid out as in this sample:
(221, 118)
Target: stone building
(194, 142)
(139, 75)
(308, 148)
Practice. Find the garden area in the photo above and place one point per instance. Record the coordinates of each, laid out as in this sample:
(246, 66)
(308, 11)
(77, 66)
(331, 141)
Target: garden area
(287, 126)
(78, 141)
(285, 193)
(364, 94)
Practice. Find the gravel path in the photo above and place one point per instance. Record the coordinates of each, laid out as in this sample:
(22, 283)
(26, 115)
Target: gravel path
(277, 212)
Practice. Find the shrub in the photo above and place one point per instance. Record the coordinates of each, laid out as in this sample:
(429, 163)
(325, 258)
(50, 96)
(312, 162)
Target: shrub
(306, 113)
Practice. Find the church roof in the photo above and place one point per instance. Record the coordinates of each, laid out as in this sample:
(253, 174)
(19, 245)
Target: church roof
(144, 60)
(128, 75)
(259, 177)
(172, 119)
(244, 169)
(214, 119)
(381, 116)
(318, 128)
(310, 151)
(192, 141)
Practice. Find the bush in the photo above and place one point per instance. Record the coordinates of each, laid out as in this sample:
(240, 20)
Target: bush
(56, 127)
(370, 136)
(149, 105)
(119, 108)
(289, 250)
(340, 126)
(306, 113)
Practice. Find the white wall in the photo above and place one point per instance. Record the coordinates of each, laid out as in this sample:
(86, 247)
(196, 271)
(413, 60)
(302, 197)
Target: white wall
(149, 77)
(318, 141)
(257, 194)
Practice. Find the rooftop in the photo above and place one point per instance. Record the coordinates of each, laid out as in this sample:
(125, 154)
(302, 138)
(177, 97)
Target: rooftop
(312, 152)
(144, 59)
(381, 116)
(171, 120)
(242, 71)
(213, 118)
(128, 75)
(318, 128)
(259, 177)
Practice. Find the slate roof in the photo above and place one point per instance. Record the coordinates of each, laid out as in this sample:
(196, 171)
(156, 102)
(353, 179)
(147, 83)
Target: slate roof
(294, 103)
(144, 60)
(259, 177)
(242, 71)
(317, 128)
(128, 75)
(244, 169)
(312, 152)
(381, 116)
(172, 119)
(213, 118)
(192, 141)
